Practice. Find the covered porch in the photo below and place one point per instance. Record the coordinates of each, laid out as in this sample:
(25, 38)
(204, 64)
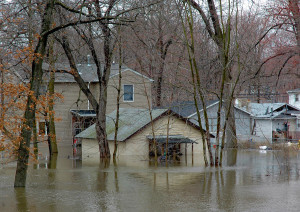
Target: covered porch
(81, 120)
(170, 145)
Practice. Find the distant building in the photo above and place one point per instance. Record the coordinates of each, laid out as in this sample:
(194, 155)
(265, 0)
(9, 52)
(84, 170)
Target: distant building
(273, 122)
(294, 97)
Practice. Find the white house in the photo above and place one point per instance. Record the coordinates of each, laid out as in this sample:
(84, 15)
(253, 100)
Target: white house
(294, 97)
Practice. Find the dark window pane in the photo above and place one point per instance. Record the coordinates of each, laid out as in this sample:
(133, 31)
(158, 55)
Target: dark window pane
(128, 93)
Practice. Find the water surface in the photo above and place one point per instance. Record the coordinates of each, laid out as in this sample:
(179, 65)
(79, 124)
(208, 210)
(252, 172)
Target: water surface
(249, 180)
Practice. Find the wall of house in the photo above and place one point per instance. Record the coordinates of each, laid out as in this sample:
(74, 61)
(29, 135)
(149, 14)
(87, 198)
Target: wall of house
(294, 99)
(243, 123)
(140, 95)
(138, 145)
(263, 129)
(212, 117)
(75, 99)
(242, 120)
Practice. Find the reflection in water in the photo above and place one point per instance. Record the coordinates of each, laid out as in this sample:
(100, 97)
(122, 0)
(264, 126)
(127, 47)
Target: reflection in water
(53, 161)
(248, 181)
(21, 199)
(231, 157)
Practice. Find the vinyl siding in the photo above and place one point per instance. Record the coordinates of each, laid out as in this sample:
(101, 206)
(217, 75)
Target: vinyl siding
(138, 144)
(75, 99)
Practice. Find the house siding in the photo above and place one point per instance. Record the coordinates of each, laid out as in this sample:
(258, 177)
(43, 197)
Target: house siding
(75, 99)
(292, 99)
(263, 129)
(242, 121)
(138, 144)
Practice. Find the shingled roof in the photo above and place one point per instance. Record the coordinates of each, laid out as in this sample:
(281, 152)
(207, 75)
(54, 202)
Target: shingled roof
(131, 120)
(87, 71)
(294, 91)
(188, 108)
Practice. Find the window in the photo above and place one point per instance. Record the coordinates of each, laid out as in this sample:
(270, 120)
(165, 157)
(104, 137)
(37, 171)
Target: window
(128, 93)
(296, 98)
(298, 123)
(42, 128)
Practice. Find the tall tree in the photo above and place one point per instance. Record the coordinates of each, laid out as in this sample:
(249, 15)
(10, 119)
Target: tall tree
(35, 83)
(219, 28)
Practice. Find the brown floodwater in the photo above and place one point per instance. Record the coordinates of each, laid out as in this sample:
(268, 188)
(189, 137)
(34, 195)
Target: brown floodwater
(250, 180)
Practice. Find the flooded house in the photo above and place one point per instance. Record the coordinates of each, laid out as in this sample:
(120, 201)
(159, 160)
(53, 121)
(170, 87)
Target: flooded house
(75, 111)
(274, 122)
(259, 122)
(172, 133)
(188, 110)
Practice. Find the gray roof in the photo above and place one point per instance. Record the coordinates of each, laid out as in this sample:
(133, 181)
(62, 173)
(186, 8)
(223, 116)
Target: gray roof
(130, 121)
(84, 113)
(270, 110)
(87, 71)
(187, 108)
(294, 91)
(172, 139)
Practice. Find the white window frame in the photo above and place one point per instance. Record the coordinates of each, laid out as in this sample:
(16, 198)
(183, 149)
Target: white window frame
(132, 93)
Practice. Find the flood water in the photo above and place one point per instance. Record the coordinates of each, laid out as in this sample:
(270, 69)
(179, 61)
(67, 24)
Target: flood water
(250, 180)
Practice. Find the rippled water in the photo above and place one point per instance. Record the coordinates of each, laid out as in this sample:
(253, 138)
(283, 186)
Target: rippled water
(250, 180)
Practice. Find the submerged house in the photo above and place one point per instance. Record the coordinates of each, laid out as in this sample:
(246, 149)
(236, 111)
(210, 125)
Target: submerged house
(75, 111)
(137, 133)
(274, 122)
(188, 110)
(258, 122)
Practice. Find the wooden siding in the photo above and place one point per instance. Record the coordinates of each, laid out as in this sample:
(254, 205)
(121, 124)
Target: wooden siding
(75, 99)
(138, 145)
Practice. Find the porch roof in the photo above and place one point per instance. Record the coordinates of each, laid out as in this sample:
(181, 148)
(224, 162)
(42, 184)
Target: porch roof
(172, 139)
(84, 113)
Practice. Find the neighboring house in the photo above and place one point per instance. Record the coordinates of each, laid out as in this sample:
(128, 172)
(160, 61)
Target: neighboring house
(294, 97)
(274, 122)
(135, 134)
(75, 111)
(188, 110)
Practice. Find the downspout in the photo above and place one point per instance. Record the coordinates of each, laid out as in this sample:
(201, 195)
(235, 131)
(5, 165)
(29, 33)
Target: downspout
(271, 130)
(88, 99)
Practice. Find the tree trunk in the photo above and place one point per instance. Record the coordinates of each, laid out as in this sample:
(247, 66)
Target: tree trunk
(101, 126)
(35, 83)
(118, 97)
(52, 134)
(101, 113)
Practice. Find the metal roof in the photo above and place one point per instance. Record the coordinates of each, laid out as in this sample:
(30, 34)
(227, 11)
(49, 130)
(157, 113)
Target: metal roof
(188, 108)
(271, 110)
(88, 72)
(294, 91)
(131, 120)
(172, 139)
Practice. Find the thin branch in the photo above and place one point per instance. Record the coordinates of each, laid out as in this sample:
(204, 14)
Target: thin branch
(270, 58)
(72, 10)
(283, 65)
